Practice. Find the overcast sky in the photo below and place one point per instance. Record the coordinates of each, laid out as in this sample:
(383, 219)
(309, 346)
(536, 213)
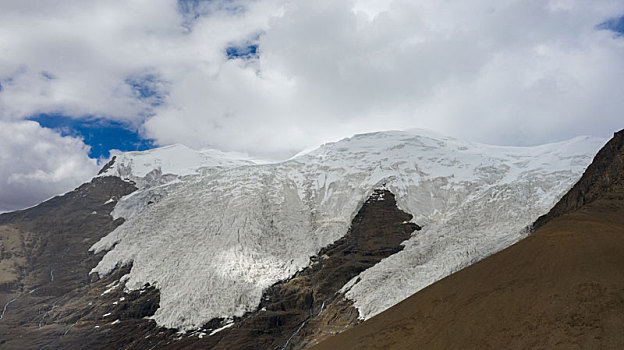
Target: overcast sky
(271, 77)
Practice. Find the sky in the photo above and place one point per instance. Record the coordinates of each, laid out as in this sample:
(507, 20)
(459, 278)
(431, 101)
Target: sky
(81, 79)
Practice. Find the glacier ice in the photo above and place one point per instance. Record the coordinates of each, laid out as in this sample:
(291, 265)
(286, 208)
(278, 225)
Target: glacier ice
(212, 230)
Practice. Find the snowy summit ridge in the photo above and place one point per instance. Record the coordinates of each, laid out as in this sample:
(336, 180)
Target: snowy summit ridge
(176, 159)
(215, 235)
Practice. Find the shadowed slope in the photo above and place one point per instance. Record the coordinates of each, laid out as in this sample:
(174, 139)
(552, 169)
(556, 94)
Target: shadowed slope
(562, 287)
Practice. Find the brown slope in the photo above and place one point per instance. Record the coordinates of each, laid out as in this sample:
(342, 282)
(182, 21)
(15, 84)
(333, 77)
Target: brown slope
(560, 288)
(48, 300)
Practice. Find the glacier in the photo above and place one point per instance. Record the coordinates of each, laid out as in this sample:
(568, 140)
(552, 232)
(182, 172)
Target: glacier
(212, 230)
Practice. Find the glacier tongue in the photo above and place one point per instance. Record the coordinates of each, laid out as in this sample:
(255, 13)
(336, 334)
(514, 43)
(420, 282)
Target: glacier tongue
(212, 237)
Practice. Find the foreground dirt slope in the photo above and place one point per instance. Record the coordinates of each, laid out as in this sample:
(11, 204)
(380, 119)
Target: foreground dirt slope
(560, 288)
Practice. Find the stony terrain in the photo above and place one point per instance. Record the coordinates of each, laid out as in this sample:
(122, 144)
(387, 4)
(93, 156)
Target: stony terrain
(45, 263)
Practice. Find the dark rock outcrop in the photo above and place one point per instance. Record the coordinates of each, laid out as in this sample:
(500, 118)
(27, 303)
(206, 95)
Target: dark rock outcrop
(45, 263)
(604, 174)
(107, 165)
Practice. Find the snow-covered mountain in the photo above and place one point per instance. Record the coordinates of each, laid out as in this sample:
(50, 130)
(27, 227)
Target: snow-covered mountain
(212, 230)
(176, 160)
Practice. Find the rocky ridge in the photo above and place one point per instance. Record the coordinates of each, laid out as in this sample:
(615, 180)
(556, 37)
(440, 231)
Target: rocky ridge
(603, 176)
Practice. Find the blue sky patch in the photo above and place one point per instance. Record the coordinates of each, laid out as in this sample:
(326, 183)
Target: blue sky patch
(245, 52)
(614, 24)
(101, 134)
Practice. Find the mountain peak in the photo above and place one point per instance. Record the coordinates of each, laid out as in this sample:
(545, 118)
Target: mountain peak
(176, 159)
(244, 227)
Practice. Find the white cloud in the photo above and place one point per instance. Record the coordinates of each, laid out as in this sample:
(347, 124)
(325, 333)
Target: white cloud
(503, 72)
(37, 163)
(515, 72)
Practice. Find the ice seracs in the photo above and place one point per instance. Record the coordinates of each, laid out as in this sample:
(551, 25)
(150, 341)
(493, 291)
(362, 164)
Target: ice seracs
(213, 237)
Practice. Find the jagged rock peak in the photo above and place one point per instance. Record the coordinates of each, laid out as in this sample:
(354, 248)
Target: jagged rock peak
(604, 174)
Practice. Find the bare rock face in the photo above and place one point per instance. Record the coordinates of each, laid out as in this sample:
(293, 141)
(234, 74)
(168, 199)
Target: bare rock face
(50, 301)
(604, 174)
(44, 260)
